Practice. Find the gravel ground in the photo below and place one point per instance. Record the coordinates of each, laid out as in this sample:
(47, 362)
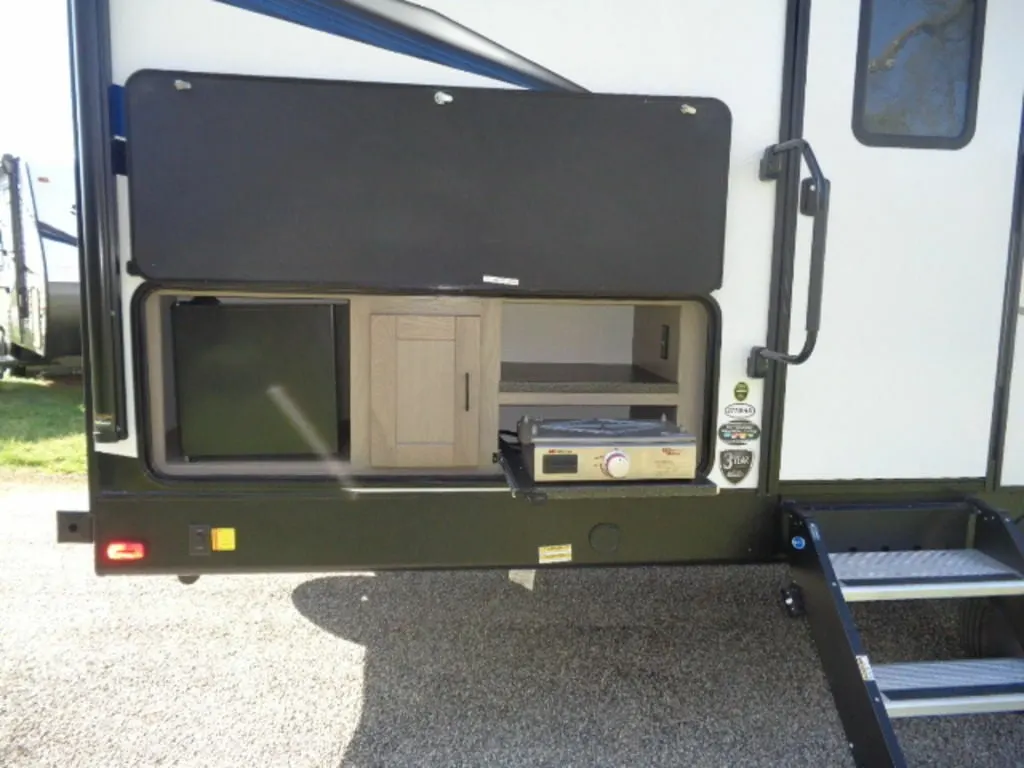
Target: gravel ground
(640, 667)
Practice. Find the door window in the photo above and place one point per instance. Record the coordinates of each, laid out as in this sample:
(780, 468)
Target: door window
(917, 72)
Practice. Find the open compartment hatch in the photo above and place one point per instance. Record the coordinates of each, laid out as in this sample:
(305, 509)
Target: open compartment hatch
(496, 190)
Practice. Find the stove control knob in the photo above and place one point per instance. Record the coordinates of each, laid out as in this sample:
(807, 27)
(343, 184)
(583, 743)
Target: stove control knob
(616, 464)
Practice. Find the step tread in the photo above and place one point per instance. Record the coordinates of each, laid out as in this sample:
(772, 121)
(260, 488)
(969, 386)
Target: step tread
(925, 564)
(907, 677)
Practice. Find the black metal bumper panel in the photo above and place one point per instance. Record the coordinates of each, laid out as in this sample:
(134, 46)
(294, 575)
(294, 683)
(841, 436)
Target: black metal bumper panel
(74, 527)
(282, 531)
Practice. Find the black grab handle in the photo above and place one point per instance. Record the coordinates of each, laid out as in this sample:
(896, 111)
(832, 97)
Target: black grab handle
(814, 199)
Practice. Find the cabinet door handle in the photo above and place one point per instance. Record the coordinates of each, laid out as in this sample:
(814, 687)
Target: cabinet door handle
(467, 390)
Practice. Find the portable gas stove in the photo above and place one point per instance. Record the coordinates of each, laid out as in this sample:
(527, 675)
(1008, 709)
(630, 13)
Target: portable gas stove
(595, 450)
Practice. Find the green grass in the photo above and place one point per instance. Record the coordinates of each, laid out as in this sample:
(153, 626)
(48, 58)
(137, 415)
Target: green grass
(42, 427)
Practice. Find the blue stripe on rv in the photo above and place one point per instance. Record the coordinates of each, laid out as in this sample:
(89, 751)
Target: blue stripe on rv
(115, 102)
(363, 27)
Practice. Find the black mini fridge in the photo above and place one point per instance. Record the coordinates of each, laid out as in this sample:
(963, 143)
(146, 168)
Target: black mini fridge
(228, 357)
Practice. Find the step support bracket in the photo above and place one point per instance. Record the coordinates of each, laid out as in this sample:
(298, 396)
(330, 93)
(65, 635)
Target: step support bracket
(847, 668)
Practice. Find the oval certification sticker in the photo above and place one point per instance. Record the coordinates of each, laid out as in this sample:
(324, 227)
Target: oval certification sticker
(740, 411)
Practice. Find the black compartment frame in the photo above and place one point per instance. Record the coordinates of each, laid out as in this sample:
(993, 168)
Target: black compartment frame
(502, 191)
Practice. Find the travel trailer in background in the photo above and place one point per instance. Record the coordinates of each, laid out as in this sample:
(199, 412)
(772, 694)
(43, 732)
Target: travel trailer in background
(40, 306)
(371, 284)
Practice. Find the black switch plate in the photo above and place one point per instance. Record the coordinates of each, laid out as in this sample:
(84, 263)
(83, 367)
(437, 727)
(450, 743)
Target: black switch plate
(199, 542)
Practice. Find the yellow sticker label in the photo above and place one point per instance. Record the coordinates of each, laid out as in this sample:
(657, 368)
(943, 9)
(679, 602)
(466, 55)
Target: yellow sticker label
(559, 553)
(223, 539)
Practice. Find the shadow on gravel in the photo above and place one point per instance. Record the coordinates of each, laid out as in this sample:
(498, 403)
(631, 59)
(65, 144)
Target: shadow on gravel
(651, 667)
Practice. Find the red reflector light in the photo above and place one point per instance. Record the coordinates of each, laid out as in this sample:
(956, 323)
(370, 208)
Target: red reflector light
(126, 550)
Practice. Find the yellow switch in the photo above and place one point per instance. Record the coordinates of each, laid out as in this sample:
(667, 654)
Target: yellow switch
(223, 539)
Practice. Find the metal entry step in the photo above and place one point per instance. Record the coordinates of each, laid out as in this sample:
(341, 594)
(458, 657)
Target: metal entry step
(974, 686)
(923, 574)
(827, 576)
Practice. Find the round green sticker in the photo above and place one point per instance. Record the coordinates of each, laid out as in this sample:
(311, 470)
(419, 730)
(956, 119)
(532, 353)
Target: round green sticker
(740, 391)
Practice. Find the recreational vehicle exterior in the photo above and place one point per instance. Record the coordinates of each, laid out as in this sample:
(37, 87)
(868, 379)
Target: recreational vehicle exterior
(370, 284)
(40, 307)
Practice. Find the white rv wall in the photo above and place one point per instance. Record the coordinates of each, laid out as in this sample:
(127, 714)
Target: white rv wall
(684, 48)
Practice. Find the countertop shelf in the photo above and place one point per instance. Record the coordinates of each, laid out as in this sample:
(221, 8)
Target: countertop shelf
(583, 379)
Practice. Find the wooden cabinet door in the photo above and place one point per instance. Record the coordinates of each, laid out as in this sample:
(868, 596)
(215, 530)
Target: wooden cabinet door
(424, 391)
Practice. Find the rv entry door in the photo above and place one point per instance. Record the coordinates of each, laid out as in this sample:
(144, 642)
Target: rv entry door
(916, 107)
